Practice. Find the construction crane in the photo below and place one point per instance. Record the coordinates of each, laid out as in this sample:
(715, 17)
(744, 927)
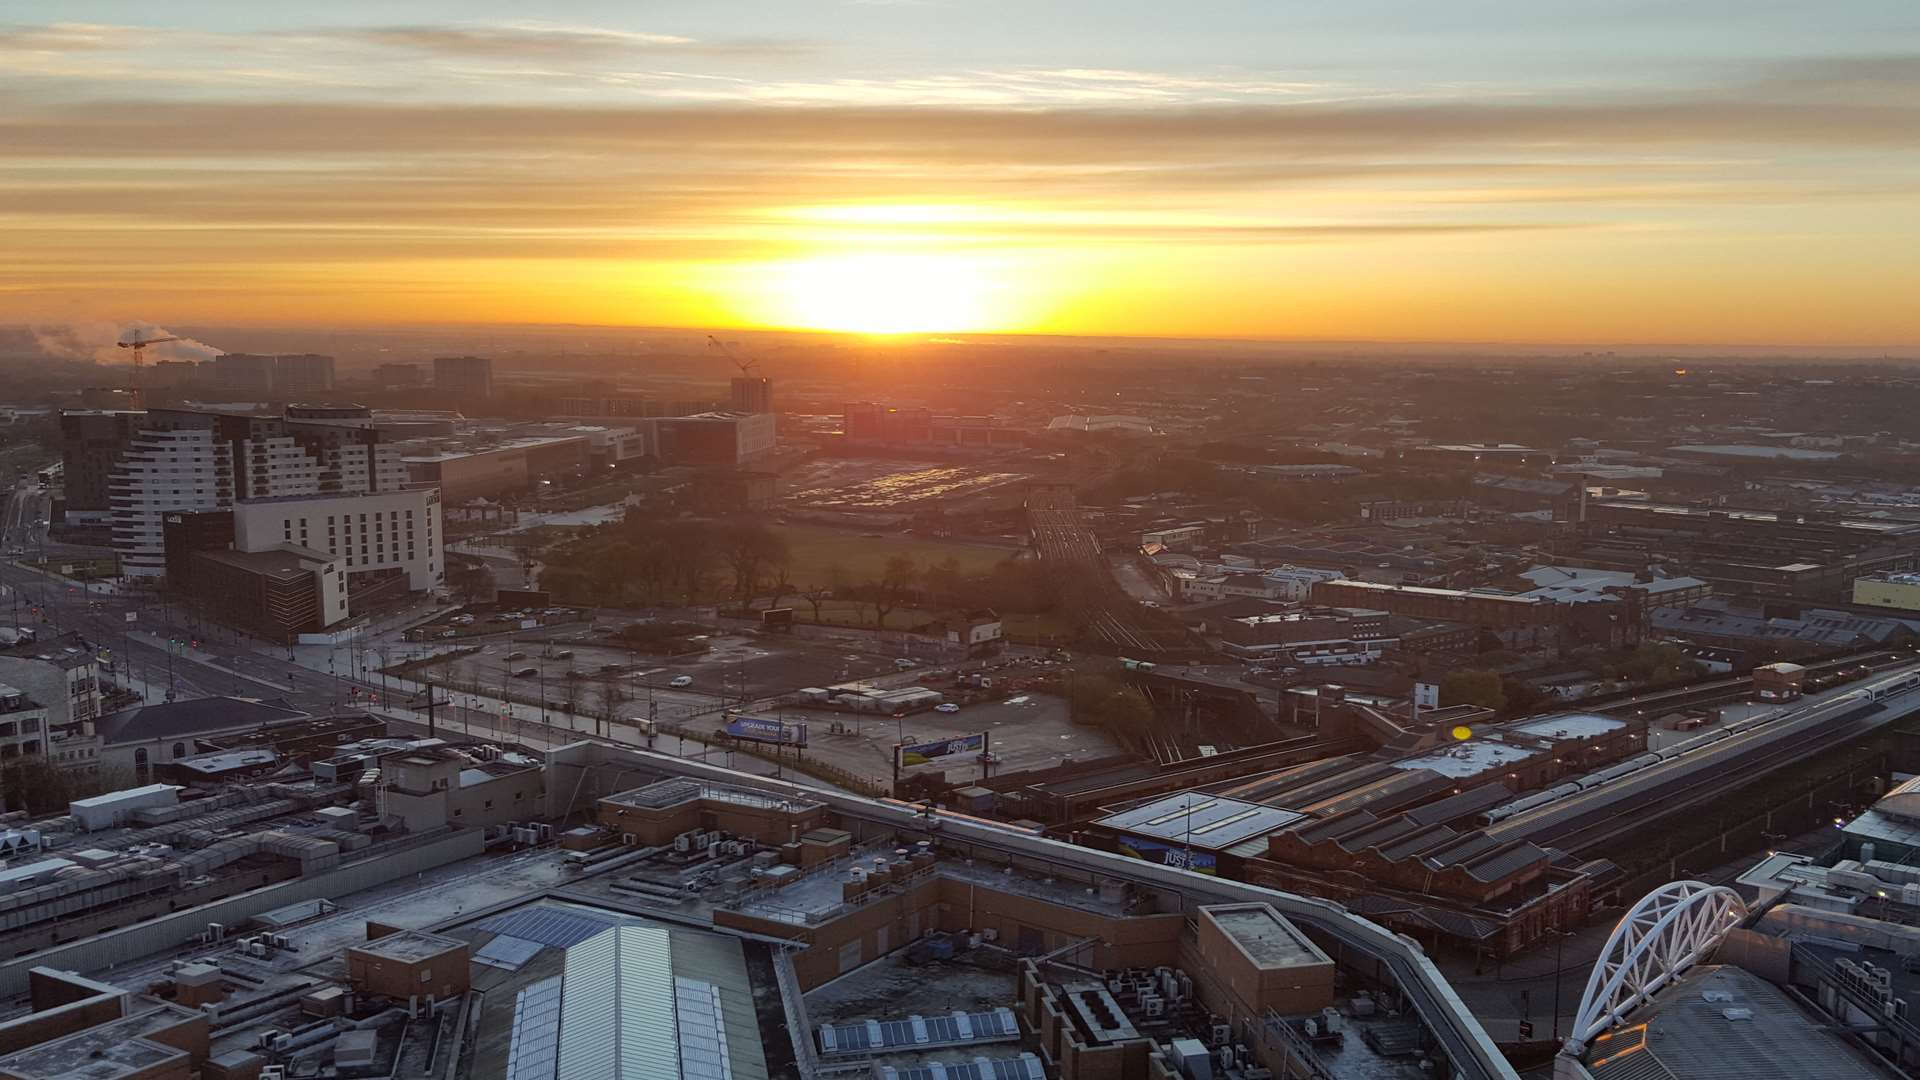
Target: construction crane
(747, 367)
(139, 347)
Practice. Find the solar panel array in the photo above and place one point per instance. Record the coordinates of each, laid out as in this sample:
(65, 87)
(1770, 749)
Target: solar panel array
(533, 1052)
(1024, 1067)
(507, 951)
(875, 1036)
(548, 926)
(703, 1033)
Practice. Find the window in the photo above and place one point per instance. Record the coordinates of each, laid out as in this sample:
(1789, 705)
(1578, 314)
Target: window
(179, 750)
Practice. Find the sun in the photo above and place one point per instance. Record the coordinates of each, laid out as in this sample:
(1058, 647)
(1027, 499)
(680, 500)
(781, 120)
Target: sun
(886, 293)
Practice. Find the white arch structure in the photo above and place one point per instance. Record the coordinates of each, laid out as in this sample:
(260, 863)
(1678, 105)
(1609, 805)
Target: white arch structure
(1667, 932)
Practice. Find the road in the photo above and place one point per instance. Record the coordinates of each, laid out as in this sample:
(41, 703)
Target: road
(164, 652)
(23, 525)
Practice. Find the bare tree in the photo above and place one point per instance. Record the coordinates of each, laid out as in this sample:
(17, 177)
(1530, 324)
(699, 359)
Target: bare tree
(815, 596)
(610, 696)
(748, 549)
(781, 583)
(893, 588)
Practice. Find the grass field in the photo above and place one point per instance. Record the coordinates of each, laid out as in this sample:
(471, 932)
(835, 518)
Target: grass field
(815, 550)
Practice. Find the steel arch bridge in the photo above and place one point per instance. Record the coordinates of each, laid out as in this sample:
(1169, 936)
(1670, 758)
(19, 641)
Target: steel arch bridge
(1667, 932)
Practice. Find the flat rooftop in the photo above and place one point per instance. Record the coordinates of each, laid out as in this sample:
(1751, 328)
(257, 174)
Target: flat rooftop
(1724, 1023)
(410, 945)
(1202, 820)
(105, 1052)
(1268, 938)
(666, 793)
(1573, 726)
(818, 895)
(1470, 758)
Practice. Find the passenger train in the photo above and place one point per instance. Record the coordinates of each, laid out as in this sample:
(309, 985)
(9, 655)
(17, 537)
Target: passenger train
(1789, 722)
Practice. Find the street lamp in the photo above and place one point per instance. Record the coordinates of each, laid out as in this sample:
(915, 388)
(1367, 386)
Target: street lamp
(1559, 948)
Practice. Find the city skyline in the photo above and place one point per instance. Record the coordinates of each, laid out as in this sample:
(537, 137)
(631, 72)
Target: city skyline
(1381, 171)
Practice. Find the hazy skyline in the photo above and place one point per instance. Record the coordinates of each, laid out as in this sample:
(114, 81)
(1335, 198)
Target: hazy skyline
(1581, 172)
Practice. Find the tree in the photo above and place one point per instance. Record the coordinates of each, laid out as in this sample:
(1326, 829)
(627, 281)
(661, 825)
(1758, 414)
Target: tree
(469, 579)
(945, 581)
(575, 678)
(1118, 706)
(1473, 687)
(610, 696)
(816, 596)
(782, 582)
(893, 588)
(747, 550)
(568, 584)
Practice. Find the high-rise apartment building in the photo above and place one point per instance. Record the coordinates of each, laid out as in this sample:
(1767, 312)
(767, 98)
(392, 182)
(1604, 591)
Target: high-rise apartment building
(468, 377)
(752, 394)
(182, 460)
(302, 373)
(91, 442)
(244, 375)
(272, 377)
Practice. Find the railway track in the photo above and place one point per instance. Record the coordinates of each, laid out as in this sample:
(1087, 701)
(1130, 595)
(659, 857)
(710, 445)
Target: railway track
(1053, 519)
(1719, 690)
(1593, 816)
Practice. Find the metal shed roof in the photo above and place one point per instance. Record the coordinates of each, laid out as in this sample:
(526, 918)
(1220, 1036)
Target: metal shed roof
(617, 1008)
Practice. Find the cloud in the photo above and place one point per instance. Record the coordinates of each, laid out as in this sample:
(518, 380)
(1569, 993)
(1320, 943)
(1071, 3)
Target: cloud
(545, 42)
(1852, 78)
(67, 37)
(949, 136)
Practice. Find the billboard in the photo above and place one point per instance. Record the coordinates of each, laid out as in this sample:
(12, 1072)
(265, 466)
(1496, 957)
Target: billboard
(1174, 855)
(922, 753)
(765, 729)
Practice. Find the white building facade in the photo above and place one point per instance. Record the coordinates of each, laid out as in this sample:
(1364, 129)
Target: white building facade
(194, 461)
(366, 533)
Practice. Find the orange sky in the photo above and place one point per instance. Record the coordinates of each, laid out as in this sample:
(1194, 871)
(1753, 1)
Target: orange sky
(617, 173)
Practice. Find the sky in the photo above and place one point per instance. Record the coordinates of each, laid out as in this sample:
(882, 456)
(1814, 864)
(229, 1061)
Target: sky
(1741, 172)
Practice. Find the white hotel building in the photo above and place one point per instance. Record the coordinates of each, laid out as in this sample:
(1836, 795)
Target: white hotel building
(379, 531)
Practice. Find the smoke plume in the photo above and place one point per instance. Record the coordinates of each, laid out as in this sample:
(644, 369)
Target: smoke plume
(99, 342)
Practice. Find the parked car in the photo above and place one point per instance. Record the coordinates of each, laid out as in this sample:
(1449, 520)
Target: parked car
(903, 663)
(946, 707)
(681, 680)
